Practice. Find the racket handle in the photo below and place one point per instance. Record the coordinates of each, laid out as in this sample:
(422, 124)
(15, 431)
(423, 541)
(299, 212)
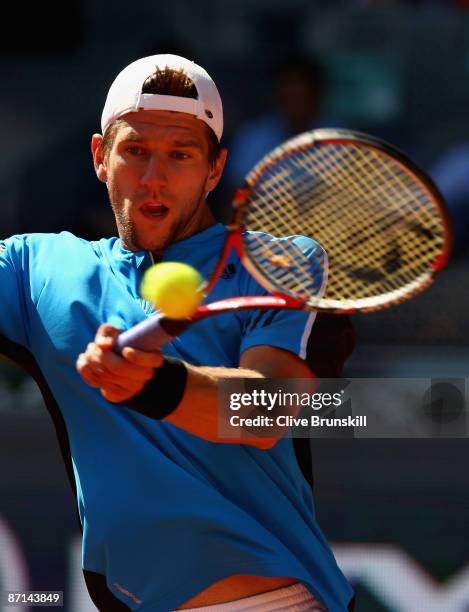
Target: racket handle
(148, 335)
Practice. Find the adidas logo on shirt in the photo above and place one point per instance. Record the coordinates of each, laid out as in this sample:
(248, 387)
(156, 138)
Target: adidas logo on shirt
(229, 271)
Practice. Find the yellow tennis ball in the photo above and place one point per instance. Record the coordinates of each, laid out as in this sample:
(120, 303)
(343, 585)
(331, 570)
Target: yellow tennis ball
(175, 289)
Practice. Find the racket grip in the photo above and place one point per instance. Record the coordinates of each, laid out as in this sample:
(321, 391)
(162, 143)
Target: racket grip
(148, 335)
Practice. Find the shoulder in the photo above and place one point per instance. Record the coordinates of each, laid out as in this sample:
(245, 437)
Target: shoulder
(39, 239)
(303, 257)
(40, 248)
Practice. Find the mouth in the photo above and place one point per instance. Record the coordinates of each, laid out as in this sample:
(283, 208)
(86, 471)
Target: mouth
(154, 211)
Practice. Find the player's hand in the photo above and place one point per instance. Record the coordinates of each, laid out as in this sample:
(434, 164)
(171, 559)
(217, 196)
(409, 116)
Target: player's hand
(118, 378)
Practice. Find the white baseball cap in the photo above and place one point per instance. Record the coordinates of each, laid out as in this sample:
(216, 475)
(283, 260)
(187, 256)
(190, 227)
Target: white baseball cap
(125, 94)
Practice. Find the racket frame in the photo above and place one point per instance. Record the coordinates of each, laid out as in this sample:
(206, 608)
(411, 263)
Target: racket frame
(325, 136)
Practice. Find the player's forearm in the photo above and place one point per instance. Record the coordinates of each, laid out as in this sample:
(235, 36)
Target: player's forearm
(187, 396)
(197, 413)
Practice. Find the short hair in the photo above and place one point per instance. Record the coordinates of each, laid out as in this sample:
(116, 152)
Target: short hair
(168, 82)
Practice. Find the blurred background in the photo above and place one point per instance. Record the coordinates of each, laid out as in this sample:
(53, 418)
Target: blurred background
(397, 511)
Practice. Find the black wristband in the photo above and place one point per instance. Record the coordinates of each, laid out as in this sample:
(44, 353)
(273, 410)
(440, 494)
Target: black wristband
(161, 394)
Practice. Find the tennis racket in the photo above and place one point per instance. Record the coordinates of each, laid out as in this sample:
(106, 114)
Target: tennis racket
(380, 227)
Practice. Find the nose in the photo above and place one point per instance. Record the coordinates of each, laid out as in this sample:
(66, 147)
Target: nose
(154, 172)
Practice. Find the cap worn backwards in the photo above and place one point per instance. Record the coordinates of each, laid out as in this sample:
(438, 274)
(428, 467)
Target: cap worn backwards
(125, 94)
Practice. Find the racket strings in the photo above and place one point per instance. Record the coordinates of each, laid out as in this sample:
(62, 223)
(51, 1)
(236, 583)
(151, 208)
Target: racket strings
(287, 266)
(377, 222)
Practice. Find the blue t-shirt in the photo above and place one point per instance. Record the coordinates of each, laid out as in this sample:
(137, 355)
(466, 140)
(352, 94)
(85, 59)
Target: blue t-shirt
(165, 514)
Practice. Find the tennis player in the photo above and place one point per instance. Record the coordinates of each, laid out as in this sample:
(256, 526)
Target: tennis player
(172, 516)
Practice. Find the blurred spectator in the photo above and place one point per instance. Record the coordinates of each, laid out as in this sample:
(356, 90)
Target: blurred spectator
(451, 174)
(298, 95)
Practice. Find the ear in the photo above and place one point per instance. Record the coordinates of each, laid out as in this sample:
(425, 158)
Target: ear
(216, 171)
(99, 159)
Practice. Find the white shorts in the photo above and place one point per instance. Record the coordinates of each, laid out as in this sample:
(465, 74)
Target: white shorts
(294, 598)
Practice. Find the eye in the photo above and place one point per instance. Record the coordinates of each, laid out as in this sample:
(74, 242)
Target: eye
(135, 151)
(180, 155)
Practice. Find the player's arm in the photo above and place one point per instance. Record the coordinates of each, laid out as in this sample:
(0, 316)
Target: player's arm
(131, 379)
(198, 410)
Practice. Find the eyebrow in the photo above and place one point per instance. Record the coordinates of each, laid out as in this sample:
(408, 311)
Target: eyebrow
(177, 142)
(188, 142)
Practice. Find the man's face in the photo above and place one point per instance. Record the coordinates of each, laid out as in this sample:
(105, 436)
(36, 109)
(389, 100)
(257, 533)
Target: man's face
(158, 174)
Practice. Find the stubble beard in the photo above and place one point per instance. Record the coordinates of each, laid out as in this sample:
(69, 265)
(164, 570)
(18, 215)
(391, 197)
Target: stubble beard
(133, 239)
